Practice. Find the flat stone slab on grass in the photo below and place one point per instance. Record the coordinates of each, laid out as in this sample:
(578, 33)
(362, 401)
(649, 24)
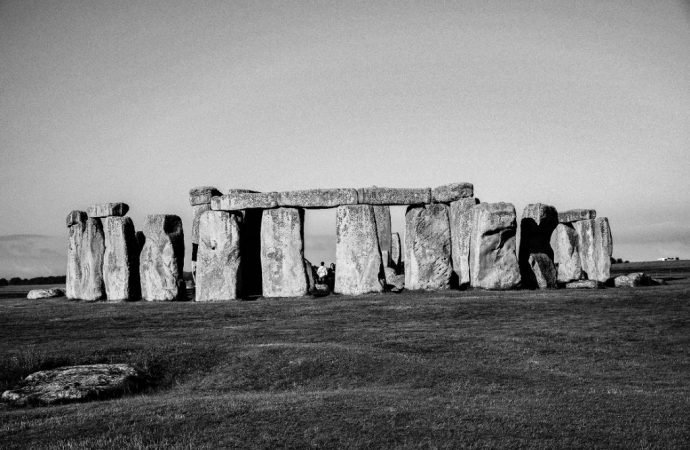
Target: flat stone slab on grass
(452, 192)
(393, 196)
(36, 294)
(574, 215)
(236, 201)
(75, 384)
(317, 198)
(584, 284)
(108, 209)
(202, 195)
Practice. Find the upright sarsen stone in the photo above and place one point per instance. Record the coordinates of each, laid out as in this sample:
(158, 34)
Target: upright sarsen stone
(121, 260)
(358, 260)
(197, 210)
(427, 247)
(218, 256)
(84, 279)
(565, 253)
(383, 231)
(396, 252)
(282, 253)
(162, 259)
(493, 257)
(460, 234)
(595, 247)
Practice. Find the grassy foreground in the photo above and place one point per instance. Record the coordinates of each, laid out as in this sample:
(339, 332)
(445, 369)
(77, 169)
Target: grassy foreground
(604, 368)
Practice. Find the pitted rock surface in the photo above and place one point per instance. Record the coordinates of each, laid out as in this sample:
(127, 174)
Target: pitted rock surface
(565, 253)
(202, 195)
(574, 215)
(311, 275)
(427, 247)
(245, 200)
(595, 246)
(75, 217)
(493, 258)
(85, 260)
(121, 259)
(196, 214)
(584, 284)
(460, 214)
(318, 198)
(162, 259)
(452, 192)
(543, 270)
(394, 281)
(393, 196)
(107, 209)
(282, 253)
(358, 261)
(396, 252)
(536, 227)
(36, 294)
(218, 257)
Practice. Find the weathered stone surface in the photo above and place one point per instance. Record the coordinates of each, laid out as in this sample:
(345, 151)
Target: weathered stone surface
(543, 270)
(317, 198)
(202, 195)
(245, 200)
(282, 253)
(460, 214)
(635, 279)
(573, 215)
(595, 246)
(121, 259)
(196, 214)
(107, 209)
(493, 258)
(565, 253)
(584, 284)
(427, 247)
(536, 227)
(394, 282)
(162, 259)
(311, 276)
(75, 217)
(218, 257)
(396, 252)
(85, 260)
(452, 192)
(36, 294)
(393, 196)
(75, 384)
(357, 256)
(383, 231)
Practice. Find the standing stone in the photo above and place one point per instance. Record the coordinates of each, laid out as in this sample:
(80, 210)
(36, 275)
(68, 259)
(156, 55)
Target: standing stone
(460, 234)
(427, 247)
(121, 260)
(595, 246)
(282, 253)
(493, 258)
(543, 271)
(383, 231)
(197, 210)
(565, 253)
(84, 279)
(536, 227)
(162, 259)
(396, 252)
(218, 256)
(357, 256)
(311, 276)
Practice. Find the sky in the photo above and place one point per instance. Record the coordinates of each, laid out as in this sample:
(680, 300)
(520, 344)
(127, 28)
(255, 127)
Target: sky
(577, 104)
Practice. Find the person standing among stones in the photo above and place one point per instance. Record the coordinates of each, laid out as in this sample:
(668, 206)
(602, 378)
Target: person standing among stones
(322, 272)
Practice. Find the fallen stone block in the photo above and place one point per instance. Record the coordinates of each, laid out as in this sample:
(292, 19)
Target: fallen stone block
(394, 282)
(396, 252)
(317, 198)
(427, 247)
(452, 192)
(460, 215)
(107, 209)
(543, 270)
(84, 279)
(493, 257)
(574, 215)
(75, 384)
(162, 259)
(393, 196)
(536, 227)
(218, 257)
(245, 200)
(635, 279)
(565, 253)
(121, 259)
(595, 247)
(202, 195)
(36, 294)
(282, 253)
(383, 231)
(357, 256)
(584, 284)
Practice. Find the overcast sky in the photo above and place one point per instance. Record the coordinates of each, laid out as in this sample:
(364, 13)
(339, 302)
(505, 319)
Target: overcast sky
(579, 104)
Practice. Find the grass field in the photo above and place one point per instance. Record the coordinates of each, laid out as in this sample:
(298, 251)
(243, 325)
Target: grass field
(602, 368)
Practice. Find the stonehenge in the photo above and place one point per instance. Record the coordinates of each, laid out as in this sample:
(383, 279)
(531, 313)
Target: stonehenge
(247, 243)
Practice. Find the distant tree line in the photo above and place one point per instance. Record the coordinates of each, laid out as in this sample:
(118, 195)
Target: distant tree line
(618, 260)
(16, 281)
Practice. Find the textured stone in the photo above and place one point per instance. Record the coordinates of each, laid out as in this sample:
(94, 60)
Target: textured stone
(36, 294)
(196, 214)
(358, 261)
(460, 214)
(202, 195)
(162, 259)
(218, 257)
(584, 284)
(383, 231)
(452, 192)
(595, 247)
(311, 276)
(493, 258)
(427, 247)
(75, 217)
(317, 198)
(282, 253)
(393, 196)
(635, 279)
(121, 259)
(543, 270)
(574, 215)
(85, 261)
(394, 282)
(565, 253)
(396, 252)
(75, 384)
(245, 200)
(536, 227)
(107, 209)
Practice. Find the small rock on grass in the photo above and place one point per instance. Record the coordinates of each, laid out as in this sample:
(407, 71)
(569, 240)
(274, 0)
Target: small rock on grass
(36, 294)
